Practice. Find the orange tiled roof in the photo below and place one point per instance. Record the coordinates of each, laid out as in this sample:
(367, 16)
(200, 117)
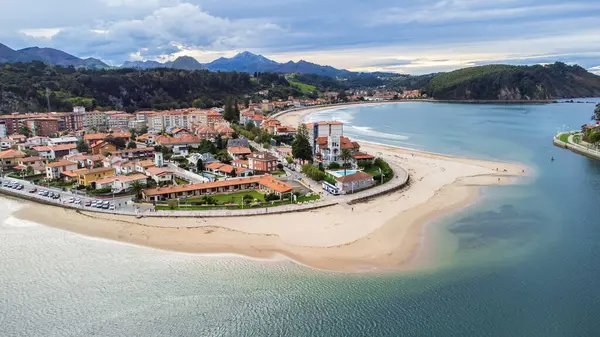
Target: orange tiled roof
(266, 180)
(355, 177)
(9, 154)
(214, 165)
(239, 150)
(61, 163)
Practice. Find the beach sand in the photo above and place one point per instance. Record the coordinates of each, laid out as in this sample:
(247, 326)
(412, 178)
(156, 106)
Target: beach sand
(379, 235)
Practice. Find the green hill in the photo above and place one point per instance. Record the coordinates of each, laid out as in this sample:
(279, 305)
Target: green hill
(507, 82)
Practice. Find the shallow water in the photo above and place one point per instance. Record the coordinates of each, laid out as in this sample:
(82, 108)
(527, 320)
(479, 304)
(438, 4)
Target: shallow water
(524, 261)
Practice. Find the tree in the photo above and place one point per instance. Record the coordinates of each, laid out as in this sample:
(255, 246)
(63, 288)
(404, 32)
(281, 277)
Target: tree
(301, 148)
(346, 157)
(131, 145)
(136, 189)
(82, 146)
(29, 170)
(200, 165)
(132, 133)
(24, 130)
(219, 142)
(144, 130)
(596, 115)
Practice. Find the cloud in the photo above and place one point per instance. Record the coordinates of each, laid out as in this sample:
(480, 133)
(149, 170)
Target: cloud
(165, 31)
(595, 70)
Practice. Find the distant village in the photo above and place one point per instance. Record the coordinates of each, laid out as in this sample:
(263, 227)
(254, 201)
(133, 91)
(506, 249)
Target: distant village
(183, 153)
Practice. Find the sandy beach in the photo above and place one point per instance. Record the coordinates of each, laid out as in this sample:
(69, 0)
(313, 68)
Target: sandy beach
(381, 234)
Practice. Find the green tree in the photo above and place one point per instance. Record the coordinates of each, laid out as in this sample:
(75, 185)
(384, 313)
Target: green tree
(136, 189)
(82, 146)
(131, 145)
(346, 157)
(301, 148)
(24, 130)
(219, 142)
(200, 165)
(596, 115)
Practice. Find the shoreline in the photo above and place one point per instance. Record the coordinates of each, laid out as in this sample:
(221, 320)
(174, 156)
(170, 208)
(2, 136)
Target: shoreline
(381, 234)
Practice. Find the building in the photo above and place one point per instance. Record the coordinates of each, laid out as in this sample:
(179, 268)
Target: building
(38, 140)
(93, 138)
(103, 148)
(86, 160)
(32, 161)
(3, 132)
(138, 153)
(238, 152)
(262, 162)
(266, 184)
(228, 170)
(62, 140)
(206, 159)
(285, 131)
(352, 182)
(179, 145)
(95, 120)
(42, 126)
(120, 183)
(206, 132)
(159, 175)
(120, 121)
(55, 152)
(10, 158)
(87, 176)
(54, 170)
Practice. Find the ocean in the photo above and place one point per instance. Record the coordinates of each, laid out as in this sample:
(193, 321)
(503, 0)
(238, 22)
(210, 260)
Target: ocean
(523, 261)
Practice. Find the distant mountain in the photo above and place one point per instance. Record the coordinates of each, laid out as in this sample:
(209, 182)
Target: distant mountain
(251, 63)
(507, 82)
(182, 62)
(243, 62)
(49, 56)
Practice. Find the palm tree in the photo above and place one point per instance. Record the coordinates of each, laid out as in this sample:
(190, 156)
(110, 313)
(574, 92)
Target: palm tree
(346, 157)
(137, 188)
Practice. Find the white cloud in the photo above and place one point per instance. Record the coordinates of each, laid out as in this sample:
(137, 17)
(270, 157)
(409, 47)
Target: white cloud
(595, 70)
(45, 33)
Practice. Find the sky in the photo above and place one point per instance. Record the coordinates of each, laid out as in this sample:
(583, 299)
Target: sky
(414, 37)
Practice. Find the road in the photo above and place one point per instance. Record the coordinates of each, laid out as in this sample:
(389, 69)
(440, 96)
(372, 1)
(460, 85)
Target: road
(192, 177)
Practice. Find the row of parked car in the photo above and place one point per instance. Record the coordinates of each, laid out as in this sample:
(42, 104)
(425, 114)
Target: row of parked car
(53, 195)
(14, 186)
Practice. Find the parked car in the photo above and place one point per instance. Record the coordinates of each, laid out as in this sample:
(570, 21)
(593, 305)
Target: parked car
(88, 203)
(50, 194)
(112, 207)
(33, 190)
(104, 206)
(71, 200)
(56, 196)
(20, 187)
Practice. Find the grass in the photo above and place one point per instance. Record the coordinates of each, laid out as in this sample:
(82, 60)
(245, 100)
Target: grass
(564, 137)
(231, 197)
(305, 88)
(278, 173)
(180, 181)
(577, 138)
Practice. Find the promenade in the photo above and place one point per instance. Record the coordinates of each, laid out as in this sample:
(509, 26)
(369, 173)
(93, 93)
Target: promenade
(570, 144)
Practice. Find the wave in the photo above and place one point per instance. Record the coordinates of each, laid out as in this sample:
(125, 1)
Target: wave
(370, 132)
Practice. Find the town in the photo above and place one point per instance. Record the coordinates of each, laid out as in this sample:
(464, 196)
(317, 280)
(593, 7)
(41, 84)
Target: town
(183, 159)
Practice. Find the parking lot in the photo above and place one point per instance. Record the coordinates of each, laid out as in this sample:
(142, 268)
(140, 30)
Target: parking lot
(67, 198)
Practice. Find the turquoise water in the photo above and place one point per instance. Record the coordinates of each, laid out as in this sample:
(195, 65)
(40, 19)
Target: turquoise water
(525, 261)
(342, 173)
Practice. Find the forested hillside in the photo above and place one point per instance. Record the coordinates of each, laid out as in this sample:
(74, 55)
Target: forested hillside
(29, 86)
(506, 82)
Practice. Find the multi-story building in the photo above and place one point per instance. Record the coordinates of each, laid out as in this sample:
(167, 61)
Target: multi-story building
(86, 177)
(42, 126)
(328, 133)
(54, 170)
(262, 162)
(3, 133)
(55, 152)
(120, 121)
(62, 140)
(95, 119)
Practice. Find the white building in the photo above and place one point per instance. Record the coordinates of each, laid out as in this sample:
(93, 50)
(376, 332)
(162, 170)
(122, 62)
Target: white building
(2, 130)
(53, 170)
(325, 139)
(62, 141)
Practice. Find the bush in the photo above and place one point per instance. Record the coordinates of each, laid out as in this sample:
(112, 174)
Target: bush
(365, 164)
(330, 180)
(271, 197)
(334, 166)
(280, 167)
(172, 204)
(313, 172)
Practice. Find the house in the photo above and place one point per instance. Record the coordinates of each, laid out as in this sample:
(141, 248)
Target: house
(262, 162)
(266, 184)
(38, 140)
(285, 131)
(144, 165)
(18, 138)
(55, 152)
(62, 141)
(54, 170)
(7, 143)
(10, 158)
(147, 138)
(228, 170)
(206, 159)
(112, 160)
(178, 132)
(239, 163)
(179, 145)
(239, 142)
(159, 175)
(206, 132)
(93, 138)
(238, 152)
(224, 130)
(120, 183)
(124, 168)
(138, 153)
(257, 120)
(86, 160)
(350, 183)
(360, 156)
(87, 176)
(31, 161)
(102, 147)
(270, 125)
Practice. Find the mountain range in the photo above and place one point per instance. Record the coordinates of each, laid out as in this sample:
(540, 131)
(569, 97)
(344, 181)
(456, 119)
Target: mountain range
(242, 62)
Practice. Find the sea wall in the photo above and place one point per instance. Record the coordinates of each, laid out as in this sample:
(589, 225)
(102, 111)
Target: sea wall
(579, 149)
